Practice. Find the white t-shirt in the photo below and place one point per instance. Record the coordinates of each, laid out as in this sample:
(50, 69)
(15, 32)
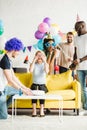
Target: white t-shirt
(81, 44)
(39, 74)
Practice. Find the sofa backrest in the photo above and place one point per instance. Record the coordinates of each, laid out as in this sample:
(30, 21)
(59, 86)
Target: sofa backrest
(53, 82)
(59, 81)
(25, 78)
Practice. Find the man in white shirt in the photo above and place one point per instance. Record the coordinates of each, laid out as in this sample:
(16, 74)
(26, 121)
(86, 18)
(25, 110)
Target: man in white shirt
(81, 44)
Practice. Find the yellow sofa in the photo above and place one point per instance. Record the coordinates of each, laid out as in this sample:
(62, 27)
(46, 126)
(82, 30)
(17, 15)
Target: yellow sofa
(62, 84)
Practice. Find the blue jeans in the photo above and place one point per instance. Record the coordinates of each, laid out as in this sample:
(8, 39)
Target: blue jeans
(4, 102)
(82, 79)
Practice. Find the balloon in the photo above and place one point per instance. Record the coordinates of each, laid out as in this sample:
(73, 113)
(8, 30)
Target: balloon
(47, 20)
(74, 32)
(1, 31)
(43, 27)
(39, 35)
(55, 26)
(57, 39)
(1, 27)
(56, 68)
(63, 37)
(1, 51)
(1, 24)
(60, 33)
(40, 44)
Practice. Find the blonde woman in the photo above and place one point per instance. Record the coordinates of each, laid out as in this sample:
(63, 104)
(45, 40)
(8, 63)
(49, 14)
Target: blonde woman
(39, 69)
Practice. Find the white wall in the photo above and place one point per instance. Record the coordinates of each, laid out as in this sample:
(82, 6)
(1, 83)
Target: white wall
(22, 17)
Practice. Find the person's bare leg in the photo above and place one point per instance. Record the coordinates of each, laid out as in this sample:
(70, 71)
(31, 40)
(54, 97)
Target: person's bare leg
(42, 110)
(34, 113)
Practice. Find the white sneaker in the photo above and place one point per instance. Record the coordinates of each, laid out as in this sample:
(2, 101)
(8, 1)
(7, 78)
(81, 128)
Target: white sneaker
(9, 116)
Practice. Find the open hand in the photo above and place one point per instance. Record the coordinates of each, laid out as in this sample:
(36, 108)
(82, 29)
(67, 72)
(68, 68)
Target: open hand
(28, 92)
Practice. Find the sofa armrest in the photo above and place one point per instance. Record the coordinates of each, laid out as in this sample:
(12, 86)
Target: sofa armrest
(76, 86)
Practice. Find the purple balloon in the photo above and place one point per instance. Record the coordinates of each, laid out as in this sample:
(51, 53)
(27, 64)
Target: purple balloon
(47, 20)
(39, 35)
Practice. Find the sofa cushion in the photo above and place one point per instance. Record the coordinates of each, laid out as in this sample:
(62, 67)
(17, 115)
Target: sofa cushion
(59, 81)
(68, 94)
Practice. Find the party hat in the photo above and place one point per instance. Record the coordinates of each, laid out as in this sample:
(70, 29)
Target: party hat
(49, 36)
(77, 18)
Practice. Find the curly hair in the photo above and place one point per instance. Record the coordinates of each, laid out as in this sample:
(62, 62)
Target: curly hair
(80, 28)
(14, 44)
(45, 41)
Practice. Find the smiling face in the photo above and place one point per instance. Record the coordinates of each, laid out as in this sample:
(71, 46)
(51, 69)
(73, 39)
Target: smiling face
(70, 38)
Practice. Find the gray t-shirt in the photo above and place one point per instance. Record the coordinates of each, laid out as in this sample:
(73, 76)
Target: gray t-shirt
(39, 74)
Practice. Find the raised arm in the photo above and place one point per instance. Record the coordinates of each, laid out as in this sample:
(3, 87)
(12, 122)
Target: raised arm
(46, 65)
(32, 64)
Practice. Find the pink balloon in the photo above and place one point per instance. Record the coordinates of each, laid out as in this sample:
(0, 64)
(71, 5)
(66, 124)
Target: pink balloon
(43, 27)
(39, 35)
(48, 21)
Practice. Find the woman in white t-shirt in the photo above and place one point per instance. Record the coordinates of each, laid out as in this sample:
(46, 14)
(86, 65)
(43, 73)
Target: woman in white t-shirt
(39, 69)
